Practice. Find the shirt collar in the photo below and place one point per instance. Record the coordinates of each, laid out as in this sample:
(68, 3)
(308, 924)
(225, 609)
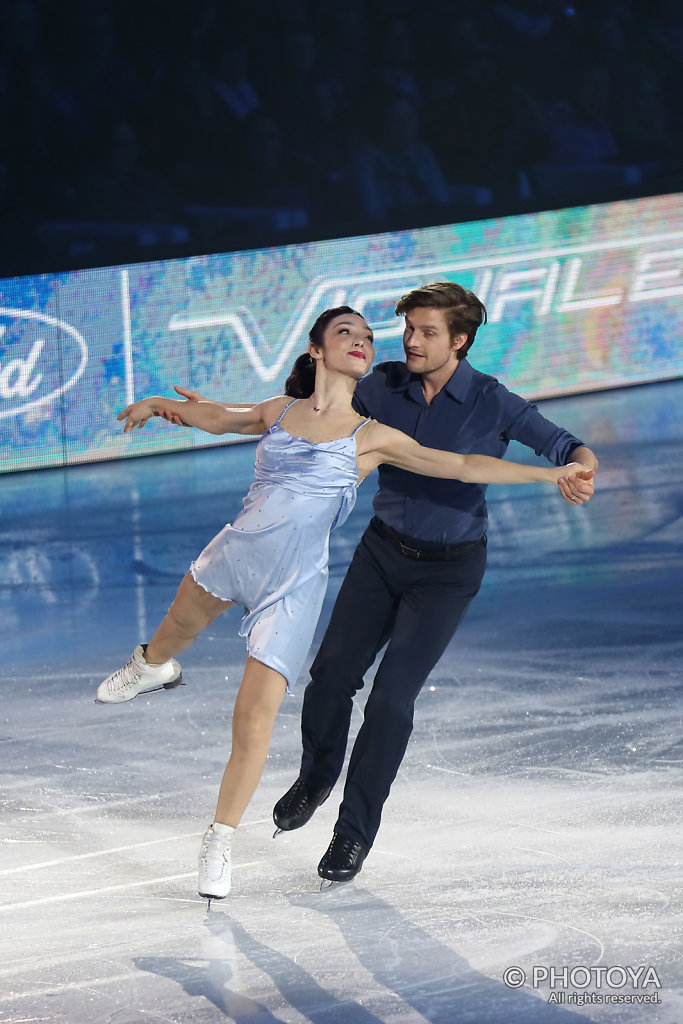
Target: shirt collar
(457, 387)
(459, 384)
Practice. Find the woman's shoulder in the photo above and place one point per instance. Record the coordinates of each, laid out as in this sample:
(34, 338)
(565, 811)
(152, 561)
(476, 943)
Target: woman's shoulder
(272, 408)
(372, 435)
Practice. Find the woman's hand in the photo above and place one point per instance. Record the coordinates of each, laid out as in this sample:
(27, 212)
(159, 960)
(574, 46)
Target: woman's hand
(575, 482)
(137, 414)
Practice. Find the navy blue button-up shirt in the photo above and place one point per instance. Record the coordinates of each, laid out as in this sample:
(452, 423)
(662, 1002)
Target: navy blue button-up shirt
(473, 413)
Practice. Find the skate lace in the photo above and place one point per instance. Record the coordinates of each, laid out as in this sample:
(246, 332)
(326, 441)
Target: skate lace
(214, 851)
(122, 679)
(302, 798)
(343, 850)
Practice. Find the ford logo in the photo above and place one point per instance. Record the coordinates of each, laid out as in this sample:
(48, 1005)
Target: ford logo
(40, 358)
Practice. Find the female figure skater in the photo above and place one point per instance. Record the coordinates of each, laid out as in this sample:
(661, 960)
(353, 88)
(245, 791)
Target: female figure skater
(273, 558)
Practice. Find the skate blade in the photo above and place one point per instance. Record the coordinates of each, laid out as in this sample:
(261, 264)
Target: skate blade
(209, 900)
(277, 832)
(153, 689)
(330, 883)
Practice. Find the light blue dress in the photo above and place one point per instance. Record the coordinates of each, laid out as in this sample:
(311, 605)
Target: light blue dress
(273, 558)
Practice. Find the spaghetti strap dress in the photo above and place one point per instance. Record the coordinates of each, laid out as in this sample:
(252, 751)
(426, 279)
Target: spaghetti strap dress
(273, 558)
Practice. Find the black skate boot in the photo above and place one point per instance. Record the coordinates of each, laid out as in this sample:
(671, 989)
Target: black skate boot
(342, 860)
(298, 805)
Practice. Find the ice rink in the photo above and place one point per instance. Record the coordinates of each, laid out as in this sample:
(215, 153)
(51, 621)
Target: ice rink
(535, 823)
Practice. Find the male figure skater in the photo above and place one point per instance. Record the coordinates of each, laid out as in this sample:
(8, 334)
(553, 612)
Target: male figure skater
(418, 566)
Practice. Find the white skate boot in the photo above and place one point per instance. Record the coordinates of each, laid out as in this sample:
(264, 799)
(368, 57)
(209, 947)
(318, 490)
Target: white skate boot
(138, 677)
(215, 862)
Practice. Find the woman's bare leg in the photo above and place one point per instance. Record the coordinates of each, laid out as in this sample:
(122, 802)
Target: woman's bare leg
(258, 700)
(193, 609)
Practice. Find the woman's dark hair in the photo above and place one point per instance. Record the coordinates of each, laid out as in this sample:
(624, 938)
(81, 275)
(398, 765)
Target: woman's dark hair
(301, 381)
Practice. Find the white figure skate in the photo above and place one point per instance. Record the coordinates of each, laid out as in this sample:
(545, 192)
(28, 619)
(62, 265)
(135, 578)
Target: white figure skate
(215, 862)
(138, 677)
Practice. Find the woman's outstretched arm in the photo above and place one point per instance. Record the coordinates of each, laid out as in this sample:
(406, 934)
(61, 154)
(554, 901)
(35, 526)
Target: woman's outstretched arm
(213, 417)
(381, 444)
(195, 396)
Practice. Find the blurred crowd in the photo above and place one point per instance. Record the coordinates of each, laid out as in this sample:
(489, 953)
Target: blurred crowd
(134, 128)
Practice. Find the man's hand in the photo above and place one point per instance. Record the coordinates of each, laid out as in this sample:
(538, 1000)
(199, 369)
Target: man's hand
(577, 490)
(173, 417)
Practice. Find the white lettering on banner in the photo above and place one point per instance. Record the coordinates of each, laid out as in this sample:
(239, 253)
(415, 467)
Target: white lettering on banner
(644, 278)
(551, 280)
(509, 290)
(15, 376)
(568, 302)
(20, 376)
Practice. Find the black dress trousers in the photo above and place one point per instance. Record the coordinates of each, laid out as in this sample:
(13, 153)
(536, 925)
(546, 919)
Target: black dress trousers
(414, 602)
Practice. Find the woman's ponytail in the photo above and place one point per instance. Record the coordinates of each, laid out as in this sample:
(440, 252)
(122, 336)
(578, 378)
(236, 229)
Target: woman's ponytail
(301, 381)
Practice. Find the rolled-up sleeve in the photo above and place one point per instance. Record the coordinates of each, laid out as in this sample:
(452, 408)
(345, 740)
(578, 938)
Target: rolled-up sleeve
(529, 427)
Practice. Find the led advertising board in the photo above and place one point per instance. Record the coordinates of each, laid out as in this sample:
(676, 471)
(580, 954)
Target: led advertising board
(578, 299)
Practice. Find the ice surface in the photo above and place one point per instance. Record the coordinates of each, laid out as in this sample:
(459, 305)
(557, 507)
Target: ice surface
(536, 820)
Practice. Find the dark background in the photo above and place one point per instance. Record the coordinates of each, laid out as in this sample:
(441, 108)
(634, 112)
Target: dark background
(150, 129)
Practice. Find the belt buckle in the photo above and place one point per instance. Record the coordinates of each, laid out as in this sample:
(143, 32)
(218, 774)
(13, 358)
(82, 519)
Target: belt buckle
(409, 552)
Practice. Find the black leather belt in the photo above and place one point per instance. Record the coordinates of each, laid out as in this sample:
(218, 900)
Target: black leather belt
(423, 550)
